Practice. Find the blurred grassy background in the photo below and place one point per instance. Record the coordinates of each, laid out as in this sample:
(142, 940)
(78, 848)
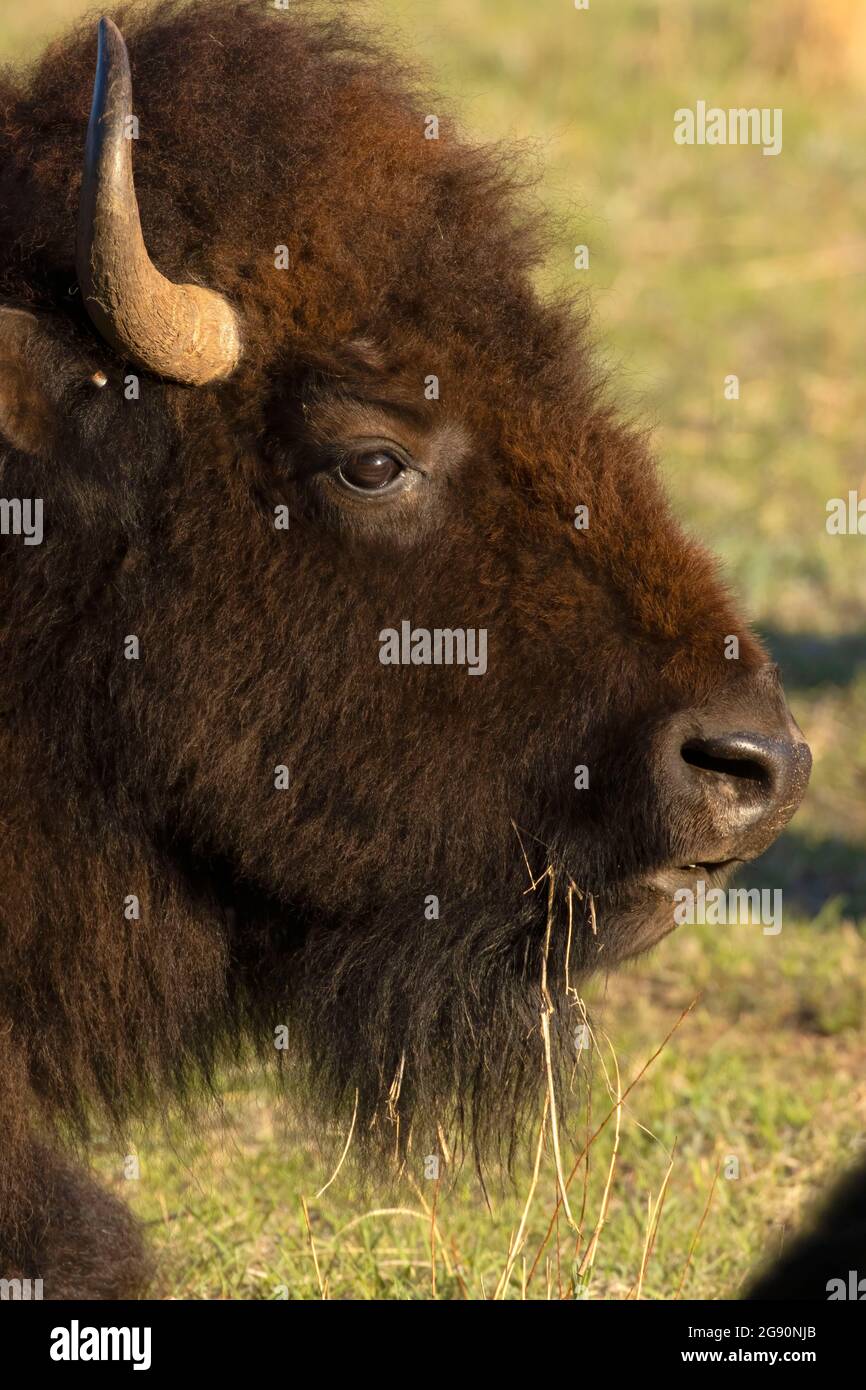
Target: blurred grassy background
(703, 262)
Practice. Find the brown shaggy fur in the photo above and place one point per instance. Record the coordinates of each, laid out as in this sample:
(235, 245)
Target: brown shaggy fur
(305, 907)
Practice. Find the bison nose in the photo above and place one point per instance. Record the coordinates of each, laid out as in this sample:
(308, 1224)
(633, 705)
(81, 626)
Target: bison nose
(732, 791)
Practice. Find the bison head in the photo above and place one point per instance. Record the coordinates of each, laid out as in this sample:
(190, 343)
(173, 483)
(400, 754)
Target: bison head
(363, 683)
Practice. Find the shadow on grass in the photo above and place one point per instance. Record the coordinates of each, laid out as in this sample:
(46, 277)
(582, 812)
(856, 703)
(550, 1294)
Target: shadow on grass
(824, 878)
(809, 659)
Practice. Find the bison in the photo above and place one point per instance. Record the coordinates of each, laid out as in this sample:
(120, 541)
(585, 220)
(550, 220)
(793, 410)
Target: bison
(360, 692)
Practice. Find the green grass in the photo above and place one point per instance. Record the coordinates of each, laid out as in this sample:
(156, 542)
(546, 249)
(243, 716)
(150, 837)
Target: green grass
(767, 1068)
(703, 263)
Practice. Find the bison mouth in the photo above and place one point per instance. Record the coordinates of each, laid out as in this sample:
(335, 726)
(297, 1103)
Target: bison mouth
(634, 919)
(716, 872)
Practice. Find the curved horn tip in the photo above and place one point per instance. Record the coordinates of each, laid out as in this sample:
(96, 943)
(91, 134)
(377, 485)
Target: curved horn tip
(110, 44)
(185, 333)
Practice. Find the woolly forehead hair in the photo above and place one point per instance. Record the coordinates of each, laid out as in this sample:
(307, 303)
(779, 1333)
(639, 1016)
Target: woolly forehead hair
(261, 128)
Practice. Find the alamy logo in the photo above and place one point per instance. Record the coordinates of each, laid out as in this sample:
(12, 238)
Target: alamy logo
(846, 518)
(740, 125)
(715, 907)
(438, 646)
(20, 1290)
(22, 516)
(852, 1291)
(77, 1343)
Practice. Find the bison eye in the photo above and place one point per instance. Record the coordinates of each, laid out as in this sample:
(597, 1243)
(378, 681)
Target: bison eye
(370, 472)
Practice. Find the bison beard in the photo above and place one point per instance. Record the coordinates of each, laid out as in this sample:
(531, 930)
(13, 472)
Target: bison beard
(303, 908)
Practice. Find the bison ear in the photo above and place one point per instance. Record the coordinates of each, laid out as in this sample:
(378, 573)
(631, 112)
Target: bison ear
(27, 414)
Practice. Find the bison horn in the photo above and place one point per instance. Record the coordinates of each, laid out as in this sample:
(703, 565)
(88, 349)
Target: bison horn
(183, 332)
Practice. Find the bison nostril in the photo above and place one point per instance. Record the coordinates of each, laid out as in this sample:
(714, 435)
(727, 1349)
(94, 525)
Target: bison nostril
(728, 758)
(729, 792)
